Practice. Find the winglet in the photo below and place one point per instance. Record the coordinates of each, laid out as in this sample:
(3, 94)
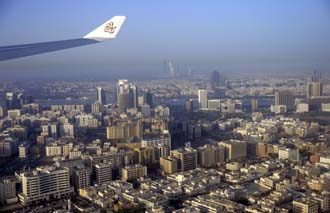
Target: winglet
(107, 30)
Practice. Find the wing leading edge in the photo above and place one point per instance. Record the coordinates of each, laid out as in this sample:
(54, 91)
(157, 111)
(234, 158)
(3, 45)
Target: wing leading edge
(108, 30)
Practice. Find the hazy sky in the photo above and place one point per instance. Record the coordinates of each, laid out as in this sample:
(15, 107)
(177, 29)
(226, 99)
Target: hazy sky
(277, 34)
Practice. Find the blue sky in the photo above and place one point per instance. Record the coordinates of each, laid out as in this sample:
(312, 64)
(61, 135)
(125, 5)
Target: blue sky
(196, 33)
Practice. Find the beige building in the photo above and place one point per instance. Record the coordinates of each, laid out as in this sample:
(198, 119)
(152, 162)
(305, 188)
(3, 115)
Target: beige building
(314, 89)
(210, 156)
(146, 155)
(124, 130)
(2, 112)
(254, 105)
(202, 98)
(305, 205)
(81, 177)
(53, 150)
(133, 172)
(235, 149)
(187, 158)
(44, 183)
(169, 165)
(8, 190)
(103, 172)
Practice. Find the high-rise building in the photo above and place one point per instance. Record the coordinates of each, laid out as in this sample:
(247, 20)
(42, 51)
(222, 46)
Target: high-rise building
(81, 177)
(124, 130)
(305, 205)
(8, 147)
(101, 97)
(7, 189)
(12, 101)
(117, 159)
(171, 69)
(127, 95)
(215, 78)
(164, 140)
(133, 172)
(235, 149)
(50, 130)
(169, 165)
(210, 156)
(284, 98)
(67, 130)
(96, 107)
(214, 104)
(2, 112)
(202, 98)
(314, 89)
(187, 158)
(189, 106)
(103, 172)
(23, 150)
(44, 183)
(148, 98)
(146, 155)
(254, 105)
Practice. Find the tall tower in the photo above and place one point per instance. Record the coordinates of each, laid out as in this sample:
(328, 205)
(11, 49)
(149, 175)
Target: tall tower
(215, 78)
(148, 98)
(171, 70)
(315, 86)
(254, 105)
(314, 89)
(127, 95)
(101, 95)
(284, 98)
(202, 98)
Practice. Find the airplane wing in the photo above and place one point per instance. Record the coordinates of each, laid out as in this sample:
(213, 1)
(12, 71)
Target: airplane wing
(108, 30)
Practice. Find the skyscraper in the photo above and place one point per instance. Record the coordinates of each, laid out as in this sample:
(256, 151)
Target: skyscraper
(284, 98)
(171, 69)
(101, 95)
(127, 95)
(202, 98)
(254, 105)
(314, 88)
(215, 78)
(148, 98)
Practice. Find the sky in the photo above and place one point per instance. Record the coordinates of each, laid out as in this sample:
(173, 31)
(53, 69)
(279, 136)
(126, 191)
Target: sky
(228, 35)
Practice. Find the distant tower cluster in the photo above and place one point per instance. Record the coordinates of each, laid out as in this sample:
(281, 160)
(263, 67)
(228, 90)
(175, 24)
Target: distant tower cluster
(101, 97)
(17, 100)
(127, 95)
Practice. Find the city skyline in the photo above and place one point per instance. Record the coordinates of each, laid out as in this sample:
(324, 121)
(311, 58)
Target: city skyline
(236, 37)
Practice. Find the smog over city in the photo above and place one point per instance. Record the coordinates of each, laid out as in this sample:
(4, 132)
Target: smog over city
(165, 106)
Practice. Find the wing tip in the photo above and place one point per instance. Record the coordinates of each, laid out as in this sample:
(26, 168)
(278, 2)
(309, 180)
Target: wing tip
(107, 30)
